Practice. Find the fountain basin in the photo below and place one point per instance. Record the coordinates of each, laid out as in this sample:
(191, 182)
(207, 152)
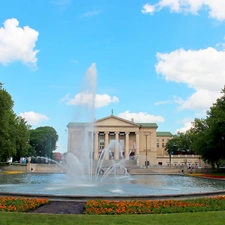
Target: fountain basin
(120, 186)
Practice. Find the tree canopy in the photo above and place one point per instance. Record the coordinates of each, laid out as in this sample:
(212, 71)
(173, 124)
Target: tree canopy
(13, 129)
(17, 139)
(43, 140)
(206, 137)
(209, 133)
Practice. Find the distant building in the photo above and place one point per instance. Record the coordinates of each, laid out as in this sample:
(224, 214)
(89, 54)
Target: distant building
(137, 141)
(57, 156)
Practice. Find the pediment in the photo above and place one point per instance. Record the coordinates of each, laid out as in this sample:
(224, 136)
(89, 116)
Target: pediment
(115, 121)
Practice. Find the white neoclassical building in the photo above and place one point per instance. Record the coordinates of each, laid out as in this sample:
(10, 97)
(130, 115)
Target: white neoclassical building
(132, 141)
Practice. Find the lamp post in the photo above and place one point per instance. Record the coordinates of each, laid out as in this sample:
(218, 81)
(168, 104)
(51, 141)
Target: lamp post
(146, 152)
(50, 146)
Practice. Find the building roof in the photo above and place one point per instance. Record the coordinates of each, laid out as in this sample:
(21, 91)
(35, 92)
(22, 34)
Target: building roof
(154, 125)
(119, 118)
(77, 124)
(141, 125)
(163, 134)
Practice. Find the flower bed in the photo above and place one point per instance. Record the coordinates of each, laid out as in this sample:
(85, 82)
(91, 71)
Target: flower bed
(104, 207)
(216, 176)
(20, 204)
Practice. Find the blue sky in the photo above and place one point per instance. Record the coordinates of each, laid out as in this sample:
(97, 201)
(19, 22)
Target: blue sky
(159, 61)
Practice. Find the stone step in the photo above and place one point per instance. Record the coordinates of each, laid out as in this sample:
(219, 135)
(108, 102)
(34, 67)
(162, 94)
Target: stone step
(108, 163)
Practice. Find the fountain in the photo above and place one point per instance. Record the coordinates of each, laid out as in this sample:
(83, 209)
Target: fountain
(79, 160)
(88, 179)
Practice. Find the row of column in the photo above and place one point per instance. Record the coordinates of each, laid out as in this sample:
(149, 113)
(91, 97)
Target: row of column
(116, 151)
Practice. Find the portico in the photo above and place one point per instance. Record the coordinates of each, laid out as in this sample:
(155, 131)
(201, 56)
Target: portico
(121, 136)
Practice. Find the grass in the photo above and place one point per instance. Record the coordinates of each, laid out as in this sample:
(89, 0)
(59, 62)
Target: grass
(199, 218)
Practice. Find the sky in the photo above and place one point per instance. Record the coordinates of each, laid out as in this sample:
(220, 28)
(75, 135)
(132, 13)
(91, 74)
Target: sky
(156, 61)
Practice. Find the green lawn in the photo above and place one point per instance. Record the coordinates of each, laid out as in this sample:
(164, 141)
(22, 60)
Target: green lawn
(199, 218)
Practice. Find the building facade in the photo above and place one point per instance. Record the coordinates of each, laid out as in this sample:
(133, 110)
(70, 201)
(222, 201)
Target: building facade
(126, 139)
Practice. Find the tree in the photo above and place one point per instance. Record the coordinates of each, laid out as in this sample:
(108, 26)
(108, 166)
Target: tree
(22, 136)
(43, 140)
(13, 130)
(216, 122)
(209, 133)
(181, 143)
(7, 145)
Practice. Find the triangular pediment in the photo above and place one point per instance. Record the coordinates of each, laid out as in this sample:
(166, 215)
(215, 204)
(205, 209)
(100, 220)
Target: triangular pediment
(115, 121)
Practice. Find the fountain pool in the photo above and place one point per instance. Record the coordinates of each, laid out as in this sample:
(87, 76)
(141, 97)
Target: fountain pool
(134, 185)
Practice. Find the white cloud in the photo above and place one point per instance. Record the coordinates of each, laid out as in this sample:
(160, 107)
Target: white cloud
(86, 99)
(74, 61)
(187, 124)
(33, 118)
(147, 8)
(65, 99)
(91, 13)
(17, 44)
(215, 8)
(162, 102)
(141, 117)
(202, 70)
(62, 4)
(87, 96)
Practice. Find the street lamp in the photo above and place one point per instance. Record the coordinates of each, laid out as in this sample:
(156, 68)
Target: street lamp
(146, 152)
(50, 146)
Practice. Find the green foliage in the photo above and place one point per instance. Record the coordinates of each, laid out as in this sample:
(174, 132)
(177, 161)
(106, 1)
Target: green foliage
(209, 133)
(43, 140)
(16, 138)
(181, 143)
(7, 121)
(206, 137)
(13, 130)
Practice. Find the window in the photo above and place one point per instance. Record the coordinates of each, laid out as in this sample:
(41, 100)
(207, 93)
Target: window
(102, 144)
(163, 145)
(157, 140)
(157, 145)
(163, 140)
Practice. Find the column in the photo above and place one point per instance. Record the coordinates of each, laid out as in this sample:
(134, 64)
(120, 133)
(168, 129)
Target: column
(96, 153)
(127, 145)
(106, 145)
(69, 142)
(116, 151)
(137, 143)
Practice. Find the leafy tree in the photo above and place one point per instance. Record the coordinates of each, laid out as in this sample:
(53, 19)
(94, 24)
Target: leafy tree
(7, 145)
(181, 143)
(43, 140)
(216, 121)
(22, 137)
(13, 129)
(209, 133)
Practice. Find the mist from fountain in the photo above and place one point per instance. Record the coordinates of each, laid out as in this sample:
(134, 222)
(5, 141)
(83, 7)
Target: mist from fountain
(80, 159)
